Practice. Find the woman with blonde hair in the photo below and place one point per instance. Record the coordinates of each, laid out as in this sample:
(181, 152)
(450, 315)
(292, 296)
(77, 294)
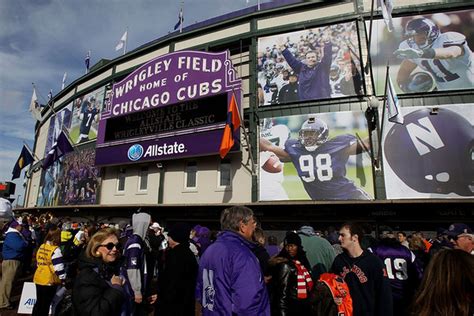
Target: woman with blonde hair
(447, 288)
(49, 272)
(98, 286)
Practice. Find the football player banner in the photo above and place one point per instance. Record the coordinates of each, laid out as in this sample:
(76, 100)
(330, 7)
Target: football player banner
(315, 157)
(430, 52)
(86, 115)
(430, 155)
(312, 64)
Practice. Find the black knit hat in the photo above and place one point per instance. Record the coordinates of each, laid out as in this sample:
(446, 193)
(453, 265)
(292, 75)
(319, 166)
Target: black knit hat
(179, 232)
(292, 238)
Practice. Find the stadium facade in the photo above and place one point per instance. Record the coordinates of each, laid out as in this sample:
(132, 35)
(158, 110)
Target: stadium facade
(314, 143)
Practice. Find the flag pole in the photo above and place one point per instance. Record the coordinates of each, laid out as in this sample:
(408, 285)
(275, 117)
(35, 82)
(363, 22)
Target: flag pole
(49, 103)
(88, 58)
(181, 17)
(126, 40)
(246, 136)
(367, 64)
(35, 156)
(31, 152)
(64, 80)
(379, 153)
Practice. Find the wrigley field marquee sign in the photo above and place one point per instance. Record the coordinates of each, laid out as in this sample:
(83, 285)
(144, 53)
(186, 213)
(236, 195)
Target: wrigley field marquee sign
(174, 106)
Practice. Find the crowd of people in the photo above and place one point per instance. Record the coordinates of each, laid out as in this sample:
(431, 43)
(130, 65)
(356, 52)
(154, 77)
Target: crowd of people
(138, 268)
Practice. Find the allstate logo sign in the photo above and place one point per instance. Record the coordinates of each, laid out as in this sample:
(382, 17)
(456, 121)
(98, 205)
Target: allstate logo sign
(135, 152)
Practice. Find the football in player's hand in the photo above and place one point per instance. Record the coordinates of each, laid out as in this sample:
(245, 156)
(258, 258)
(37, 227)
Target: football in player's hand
(272, 164)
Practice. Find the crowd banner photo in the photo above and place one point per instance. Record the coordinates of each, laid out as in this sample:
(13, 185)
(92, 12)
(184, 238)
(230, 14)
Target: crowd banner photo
(426, 53)
(430, 155)
(312, 64)
(324, 156)
(48, 183)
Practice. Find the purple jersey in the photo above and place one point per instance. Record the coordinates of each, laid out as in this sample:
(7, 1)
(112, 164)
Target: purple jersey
(83, 173)
(402, 270)
(87, 119)
(323, 171)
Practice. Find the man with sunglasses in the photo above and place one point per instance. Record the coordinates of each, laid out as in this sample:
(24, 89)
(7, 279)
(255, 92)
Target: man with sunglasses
(462, 237)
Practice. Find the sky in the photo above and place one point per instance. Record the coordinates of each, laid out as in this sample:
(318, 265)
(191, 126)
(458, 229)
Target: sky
(40, 40)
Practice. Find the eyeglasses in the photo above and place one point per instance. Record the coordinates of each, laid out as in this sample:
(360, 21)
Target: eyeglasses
(455, 238)
(111, 246)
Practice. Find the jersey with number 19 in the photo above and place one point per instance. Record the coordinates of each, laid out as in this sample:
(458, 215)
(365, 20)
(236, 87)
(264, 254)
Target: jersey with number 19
(323, 171)
(452, 73)
(403, 271)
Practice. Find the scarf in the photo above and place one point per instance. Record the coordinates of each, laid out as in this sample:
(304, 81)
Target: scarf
(304, 281)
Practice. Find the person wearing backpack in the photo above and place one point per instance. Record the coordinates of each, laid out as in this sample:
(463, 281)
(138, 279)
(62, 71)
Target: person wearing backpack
(331, 297)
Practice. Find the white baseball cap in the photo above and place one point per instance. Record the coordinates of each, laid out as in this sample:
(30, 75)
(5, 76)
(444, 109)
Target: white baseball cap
(155, 225)
(5, 209)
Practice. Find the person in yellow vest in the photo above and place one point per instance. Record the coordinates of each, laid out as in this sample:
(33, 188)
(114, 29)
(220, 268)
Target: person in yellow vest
(49, 272)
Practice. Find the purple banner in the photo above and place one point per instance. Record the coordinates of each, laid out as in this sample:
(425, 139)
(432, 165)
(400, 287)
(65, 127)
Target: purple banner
(161, 149)
(187, 78)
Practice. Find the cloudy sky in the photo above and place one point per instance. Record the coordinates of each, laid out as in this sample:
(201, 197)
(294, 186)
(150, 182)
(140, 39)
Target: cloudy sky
(42, 39)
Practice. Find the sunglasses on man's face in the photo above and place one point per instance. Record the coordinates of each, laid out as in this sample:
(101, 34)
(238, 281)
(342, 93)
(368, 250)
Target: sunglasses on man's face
(111, 246)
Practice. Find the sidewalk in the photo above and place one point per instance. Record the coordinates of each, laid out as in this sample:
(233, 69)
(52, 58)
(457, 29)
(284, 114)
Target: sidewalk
(16, 294)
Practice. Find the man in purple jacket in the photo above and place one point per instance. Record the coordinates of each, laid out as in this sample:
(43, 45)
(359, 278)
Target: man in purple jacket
(313, 75)
(230, 281)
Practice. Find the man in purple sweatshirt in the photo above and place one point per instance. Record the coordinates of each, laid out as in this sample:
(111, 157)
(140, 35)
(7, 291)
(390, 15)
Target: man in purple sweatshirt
(230, 281)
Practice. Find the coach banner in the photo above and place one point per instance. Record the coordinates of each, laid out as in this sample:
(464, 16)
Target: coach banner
(430, 155)
(315, 157)
(430, 52)
(174, 106)
(312, 64)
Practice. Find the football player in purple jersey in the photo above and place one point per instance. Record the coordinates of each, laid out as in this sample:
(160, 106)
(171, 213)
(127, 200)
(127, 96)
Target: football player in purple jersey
(402, 269)
(320, 161)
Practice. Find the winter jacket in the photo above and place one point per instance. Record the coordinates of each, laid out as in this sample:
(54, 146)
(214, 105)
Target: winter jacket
(284, 291)
(368, 283)
(14, 245)
(230, 281)
(319, 251)
(93, 293)
(177, 282)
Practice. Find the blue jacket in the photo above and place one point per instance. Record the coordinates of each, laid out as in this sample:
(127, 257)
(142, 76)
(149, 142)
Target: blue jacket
(14, 245)
(230, 281)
